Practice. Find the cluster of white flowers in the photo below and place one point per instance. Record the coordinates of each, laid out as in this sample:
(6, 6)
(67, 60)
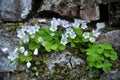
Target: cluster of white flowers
(95, 33)
(22, 33)
(68, 27)
(99, 26)
(23, 51)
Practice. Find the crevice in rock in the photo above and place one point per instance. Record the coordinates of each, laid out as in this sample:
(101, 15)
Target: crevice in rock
(50, 14)
(35, 6)
(114, 10)
(104, 14)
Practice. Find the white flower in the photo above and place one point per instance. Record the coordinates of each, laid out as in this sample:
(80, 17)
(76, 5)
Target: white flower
(55, 21)
(22, 49)
(25, 28)
(25, 53)
(35, 52)
(33, 36)
(76, 23)
(52, 34)
(4, 49)
(20, 34)
(65, 24)
(44, 43)
(31, 30)
(53, 27)
(15, 50)
(28, 64)
(37, 27)
(40, 39)
(69, 30)
(25, 39)
(100, 25)
(96, 33)
(92, 39)
(84, 25)
(13, 55)
(73, 35)
(86, 35)
(54, 24)
(65, 35)
(64, 39)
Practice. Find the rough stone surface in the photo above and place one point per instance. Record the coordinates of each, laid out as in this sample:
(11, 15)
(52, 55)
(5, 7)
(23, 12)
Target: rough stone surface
(90, 11)
(64, 58)
(114, 14)
(14, 10)
(85, 9)
(113, 75)
(8, 41)
(106, 1)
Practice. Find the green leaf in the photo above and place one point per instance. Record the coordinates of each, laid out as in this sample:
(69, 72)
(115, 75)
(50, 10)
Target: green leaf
(100, 50)
(85, 40)
(107, 53)
(41, 32)
(106, 46)
(58, 33)
(36, 39)
(99, 64)
(48, 30)
(25, 58)
(54, 46)
(48, 47)
(22, 57)
(113, 55)
(106, 69)
(91, 64)
(90, 52)
(72, 44)
(106, 66)
(33, 46)
(62, 47)
(29, 53)
(36, 73)
(69, 39)
(91, 59)
(76, 40)
(28, 58)
(47, 38)
(78, 31)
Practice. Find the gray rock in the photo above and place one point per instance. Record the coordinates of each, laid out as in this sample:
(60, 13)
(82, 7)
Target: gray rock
(63, 59)
(106, 1)
(113, 75)
(85, 9)
(14, 10)
(8, 42)
(5, 65)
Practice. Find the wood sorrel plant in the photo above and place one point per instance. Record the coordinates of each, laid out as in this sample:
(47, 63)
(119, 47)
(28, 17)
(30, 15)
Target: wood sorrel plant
(33, 39)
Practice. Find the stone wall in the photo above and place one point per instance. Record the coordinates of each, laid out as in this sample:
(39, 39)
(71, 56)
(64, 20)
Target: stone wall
(22, 10)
